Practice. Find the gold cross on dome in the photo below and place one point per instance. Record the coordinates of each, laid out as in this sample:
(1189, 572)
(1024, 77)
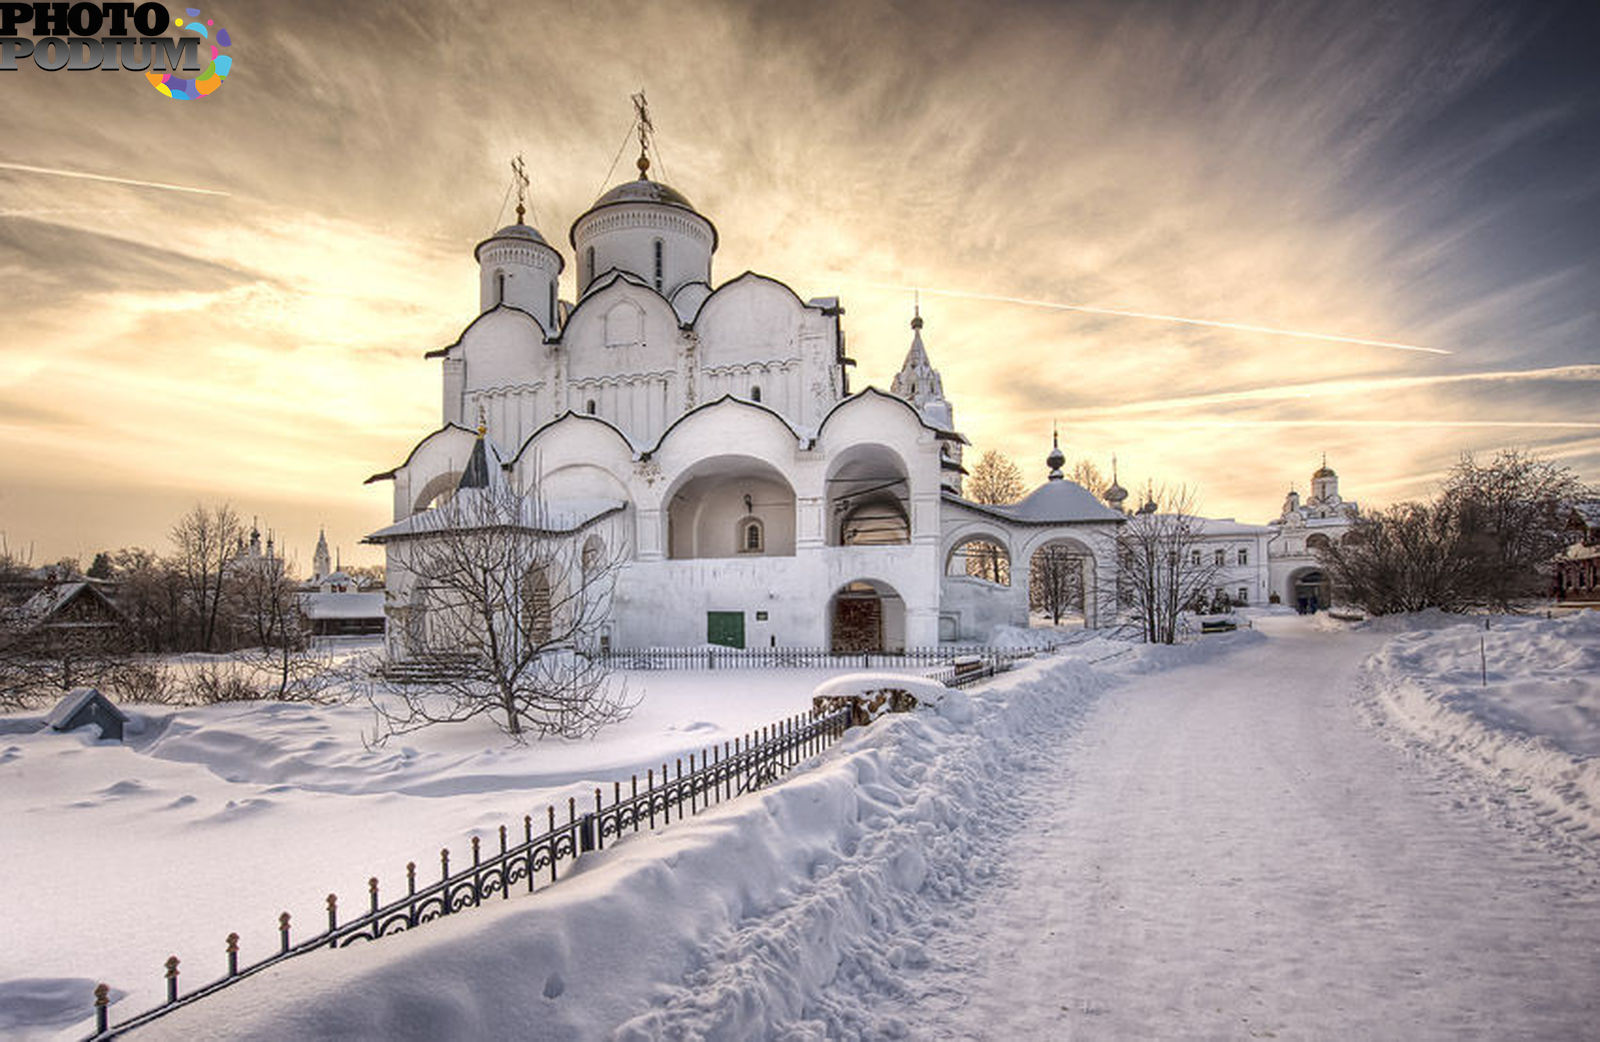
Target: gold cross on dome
(519, 171)
(646, 129)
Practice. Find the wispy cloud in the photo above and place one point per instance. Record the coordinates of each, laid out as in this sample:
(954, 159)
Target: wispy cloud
(1177, 194)
(85, 175)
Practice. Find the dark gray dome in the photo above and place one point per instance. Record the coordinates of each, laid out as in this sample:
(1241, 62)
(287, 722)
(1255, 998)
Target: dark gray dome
(643, 190)
(519, 231)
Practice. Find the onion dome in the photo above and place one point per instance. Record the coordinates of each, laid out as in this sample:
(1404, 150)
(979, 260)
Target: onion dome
(1324, 471)
(647, 229)
(642, 190)
(1115, 494)
(1056, 457)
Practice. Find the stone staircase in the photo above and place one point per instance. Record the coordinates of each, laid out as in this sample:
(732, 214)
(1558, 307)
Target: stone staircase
(428, 669)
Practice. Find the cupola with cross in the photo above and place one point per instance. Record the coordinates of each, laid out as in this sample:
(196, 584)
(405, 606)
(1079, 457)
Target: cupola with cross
(517, 268)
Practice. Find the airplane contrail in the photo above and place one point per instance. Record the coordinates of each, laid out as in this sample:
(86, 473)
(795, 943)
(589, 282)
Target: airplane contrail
(164, 186)
(1333, 388)
(1156, 317)
(1299, 422)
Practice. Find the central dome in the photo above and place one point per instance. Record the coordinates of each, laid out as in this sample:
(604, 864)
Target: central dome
(647, 229)
(518, 231)
(643, 190)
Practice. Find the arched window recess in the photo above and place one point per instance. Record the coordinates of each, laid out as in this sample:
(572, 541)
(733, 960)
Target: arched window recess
(752, 535)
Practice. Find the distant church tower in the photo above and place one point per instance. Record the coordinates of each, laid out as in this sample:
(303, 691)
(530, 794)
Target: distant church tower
(918, 382)
(1325, 485)
(319, 559)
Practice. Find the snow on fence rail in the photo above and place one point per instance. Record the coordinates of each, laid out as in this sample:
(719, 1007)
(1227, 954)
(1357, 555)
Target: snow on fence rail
(739, 766)
(801, 658)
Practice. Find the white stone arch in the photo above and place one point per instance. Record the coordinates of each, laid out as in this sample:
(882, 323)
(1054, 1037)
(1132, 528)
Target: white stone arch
(966, 556)
(538, 620)
(866, 615)
(1044, 570)
(1308, 589)
(592, 556)
(708, 503)
(868, 496)
(416, 620)
(1096, 549)
(436, 490)
(623, 324)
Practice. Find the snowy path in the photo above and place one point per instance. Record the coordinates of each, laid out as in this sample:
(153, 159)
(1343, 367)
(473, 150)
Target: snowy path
(1213, 856)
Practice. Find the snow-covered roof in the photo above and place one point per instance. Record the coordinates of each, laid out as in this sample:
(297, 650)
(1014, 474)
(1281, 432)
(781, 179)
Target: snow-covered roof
(1588, 512)
(555, 516)
(342, 605)
(75, 700)
(924, 689)
(1227, 526)
(1053, 503)
(46, 602)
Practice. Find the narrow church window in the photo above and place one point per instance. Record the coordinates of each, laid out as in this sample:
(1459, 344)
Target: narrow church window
(537, 622)
(588, 265)
(499, 287)
(588, 407)
(750, 536)
(658, 265)
(553, 315)
(755, 393)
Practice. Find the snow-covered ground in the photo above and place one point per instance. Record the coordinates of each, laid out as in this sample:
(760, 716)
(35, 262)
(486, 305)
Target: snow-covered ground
(1116, 842)
(215, 819)
(1517, 698)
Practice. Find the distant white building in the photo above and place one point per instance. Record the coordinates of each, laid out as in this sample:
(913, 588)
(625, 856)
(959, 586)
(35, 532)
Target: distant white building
(1296, 576)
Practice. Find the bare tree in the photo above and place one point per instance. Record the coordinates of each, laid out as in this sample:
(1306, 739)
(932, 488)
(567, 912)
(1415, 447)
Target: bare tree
(520, 608)
(1406, 558)
(1085, 473)
(1055, 581)
(1487, 539)
(994, 479)
(265, 602)
(1511, 515)
(206, 538)
(1163, 565)
(986, 560)
(150, 592)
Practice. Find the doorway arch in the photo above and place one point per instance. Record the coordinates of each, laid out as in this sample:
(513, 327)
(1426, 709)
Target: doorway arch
(864, 616)
(1309, 590)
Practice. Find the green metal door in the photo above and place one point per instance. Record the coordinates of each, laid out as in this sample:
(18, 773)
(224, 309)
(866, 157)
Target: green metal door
(725, 628)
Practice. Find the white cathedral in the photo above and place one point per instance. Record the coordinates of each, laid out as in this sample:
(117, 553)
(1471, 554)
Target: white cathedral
(710, 434)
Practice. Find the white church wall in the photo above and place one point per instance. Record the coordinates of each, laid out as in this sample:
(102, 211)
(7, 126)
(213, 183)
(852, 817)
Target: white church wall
(750, 319)
(979, 606)
(666, 602)
(624, 237)
(520, 273)
(707, 515)
(433, 467)
(503, 347)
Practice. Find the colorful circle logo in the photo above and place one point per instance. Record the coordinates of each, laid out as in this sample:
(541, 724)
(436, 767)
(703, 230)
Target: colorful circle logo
(217, 68)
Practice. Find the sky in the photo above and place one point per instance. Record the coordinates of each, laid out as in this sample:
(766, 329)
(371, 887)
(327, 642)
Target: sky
(1419, 174)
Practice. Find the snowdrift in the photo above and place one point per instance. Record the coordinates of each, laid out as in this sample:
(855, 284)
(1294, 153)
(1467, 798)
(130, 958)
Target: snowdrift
(1518, 701)
(807, 894)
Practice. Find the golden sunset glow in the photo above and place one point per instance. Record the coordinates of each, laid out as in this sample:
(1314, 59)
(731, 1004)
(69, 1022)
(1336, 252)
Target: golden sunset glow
(1214, 241)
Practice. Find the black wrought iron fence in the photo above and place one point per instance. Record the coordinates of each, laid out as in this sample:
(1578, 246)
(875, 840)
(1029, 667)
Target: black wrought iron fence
(798, 658)
(739, 766)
